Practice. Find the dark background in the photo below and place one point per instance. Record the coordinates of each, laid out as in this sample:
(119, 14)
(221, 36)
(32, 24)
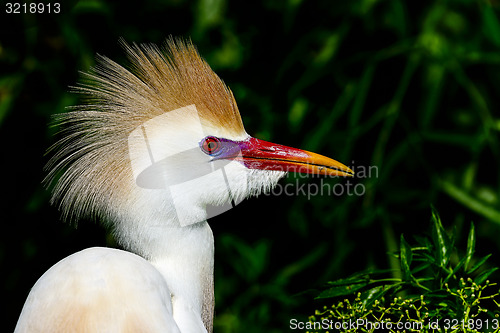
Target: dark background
(409, 87)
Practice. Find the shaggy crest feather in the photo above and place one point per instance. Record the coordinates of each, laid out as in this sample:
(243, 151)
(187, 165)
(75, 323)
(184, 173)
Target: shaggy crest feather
(93, 154)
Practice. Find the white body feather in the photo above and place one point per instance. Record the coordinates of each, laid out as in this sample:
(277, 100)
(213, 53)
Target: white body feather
(99, 290)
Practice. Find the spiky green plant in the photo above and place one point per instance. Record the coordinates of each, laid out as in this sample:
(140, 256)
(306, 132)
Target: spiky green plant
(438, 288)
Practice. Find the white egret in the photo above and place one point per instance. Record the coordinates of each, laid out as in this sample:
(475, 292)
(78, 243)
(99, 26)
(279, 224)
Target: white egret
(153, 151)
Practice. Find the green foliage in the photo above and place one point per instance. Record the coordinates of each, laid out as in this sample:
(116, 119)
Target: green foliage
(441, 289)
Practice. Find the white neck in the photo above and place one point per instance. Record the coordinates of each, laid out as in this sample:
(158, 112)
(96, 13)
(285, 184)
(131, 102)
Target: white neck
(185, 258)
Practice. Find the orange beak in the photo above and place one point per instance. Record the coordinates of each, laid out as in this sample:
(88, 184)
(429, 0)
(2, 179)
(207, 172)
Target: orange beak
(263, 155)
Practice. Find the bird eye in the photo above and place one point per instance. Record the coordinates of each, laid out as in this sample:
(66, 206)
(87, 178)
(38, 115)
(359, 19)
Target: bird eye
(210, 145)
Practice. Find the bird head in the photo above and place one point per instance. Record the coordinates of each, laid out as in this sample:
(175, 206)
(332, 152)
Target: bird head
(164, 138)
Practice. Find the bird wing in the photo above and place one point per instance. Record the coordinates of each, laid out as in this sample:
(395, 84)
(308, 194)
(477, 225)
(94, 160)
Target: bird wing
(99, 290)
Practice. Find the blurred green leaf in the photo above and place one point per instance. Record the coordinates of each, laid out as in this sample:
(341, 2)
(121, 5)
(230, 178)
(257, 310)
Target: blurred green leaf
(441, 241)
(252, 258)
(210, 12)
(491, 25)
(317, 139)
(327, 52)
(405, 255)
(485, 275)
(370, 296)
(300, 265)
(83, 6)
(362, 92)
(343, 290)
(478, 264)
(435, 75)
(471, 247)
(297, 112)
(470, 202)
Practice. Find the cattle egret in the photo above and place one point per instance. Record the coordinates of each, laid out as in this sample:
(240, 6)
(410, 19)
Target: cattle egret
(154, 150)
